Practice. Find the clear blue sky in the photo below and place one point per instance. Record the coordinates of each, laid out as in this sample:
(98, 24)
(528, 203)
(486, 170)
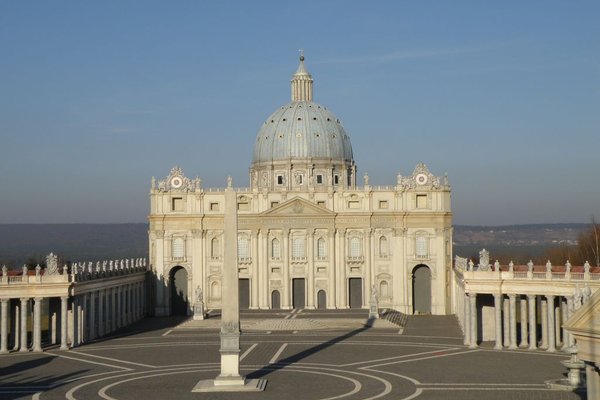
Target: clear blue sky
(97, 97)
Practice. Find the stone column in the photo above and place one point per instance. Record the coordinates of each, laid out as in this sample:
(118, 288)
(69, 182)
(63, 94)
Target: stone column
(64, 334)
(513, 321)
(37, 326)
(4, 327)
(568, 338)
(558, 322)
(343, 282)
(544, 316)
(473, 301)
(262, 264)
(24, 310)
(74, 327)
(551, 328)
(16, 325)
(310, 284)
(286, 292)
(330, 251)
(467, 320)
(135, 306)
(506, 323)
(92, 316)
(113, 309)
(119, 307)
(498, 318)
(101, 312)
(367, 268)
(256, 274)
(531, 301)
(592, 381)
(523, 304)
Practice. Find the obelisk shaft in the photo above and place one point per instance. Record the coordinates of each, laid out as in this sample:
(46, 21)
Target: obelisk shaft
(230, 309)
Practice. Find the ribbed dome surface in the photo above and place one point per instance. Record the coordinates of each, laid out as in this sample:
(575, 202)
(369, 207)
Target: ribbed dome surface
(302, 129)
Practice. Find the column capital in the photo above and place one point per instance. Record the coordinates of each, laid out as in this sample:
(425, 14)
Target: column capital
(5, 300)
(531, 297)
(511, 295)
(37, 299)
(24, 299)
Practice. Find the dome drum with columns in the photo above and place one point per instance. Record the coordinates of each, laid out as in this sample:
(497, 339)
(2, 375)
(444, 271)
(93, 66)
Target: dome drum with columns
(309, 235)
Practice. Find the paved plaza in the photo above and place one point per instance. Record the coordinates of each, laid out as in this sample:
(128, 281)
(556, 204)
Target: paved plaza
(303, 354)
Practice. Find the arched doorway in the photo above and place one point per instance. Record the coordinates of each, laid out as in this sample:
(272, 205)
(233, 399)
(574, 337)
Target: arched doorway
(421, 288)
(179, 291)
(321, 300)
(275, 300)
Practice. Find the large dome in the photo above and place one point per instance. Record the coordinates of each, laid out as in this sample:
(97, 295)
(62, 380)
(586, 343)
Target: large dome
(302, 129)
(302, 145)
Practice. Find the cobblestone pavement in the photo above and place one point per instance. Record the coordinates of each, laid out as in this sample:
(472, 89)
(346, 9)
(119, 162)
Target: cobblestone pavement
(303, 354)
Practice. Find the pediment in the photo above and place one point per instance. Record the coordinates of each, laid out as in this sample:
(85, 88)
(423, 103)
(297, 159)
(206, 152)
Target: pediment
(298, 207)
(587, 318)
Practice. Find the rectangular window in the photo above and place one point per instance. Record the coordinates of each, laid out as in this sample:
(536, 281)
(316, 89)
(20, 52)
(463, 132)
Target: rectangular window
(177, 204)
(383, 204)
(280, 179)
(353, 204)
(274, 204)
(336, 179)
(214, 206)
(243, 249)
(244, 206)
(355, 249)
(421, 246)
(319, 179)
(298, 251)
(321, 203)
(178, 248)
(421, 201)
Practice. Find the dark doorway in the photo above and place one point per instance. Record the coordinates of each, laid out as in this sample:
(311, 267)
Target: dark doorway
(244, 293)
(275, 300)
(298, 296)
(321, 300)
(421, 289)
(179, 292)
(355, 292)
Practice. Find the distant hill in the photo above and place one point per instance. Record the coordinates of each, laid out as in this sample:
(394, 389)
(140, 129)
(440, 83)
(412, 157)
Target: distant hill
(74, 242)
(518, 243)
(90, 242)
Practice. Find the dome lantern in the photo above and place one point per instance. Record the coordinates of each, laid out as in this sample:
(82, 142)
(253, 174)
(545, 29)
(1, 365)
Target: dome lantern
(302, 82)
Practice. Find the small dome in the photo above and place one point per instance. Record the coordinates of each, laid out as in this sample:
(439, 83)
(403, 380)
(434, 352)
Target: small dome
(302, 129)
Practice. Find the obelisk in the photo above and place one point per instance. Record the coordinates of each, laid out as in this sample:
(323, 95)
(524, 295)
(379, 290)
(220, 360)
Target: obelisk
(230, 380)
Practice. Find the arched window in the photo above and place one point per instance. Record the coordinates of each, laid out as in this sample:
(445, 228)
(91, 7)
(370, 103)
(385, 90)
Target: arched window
(215, 249)
(383, 247)
(275, 249)
(421, 249)
(321, 249)
(384, 289)
(355, 249)
(243, 248)
(298, 248)
(178, 248)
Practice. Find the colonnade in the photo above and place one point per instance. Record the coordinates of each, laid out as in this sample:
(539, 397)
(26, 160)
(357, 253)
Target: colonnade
(548, 311)
(84, 316)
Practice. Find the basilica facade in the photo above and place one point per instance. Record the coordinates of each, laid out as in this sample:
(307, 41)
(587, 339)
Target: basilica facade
(308, 235)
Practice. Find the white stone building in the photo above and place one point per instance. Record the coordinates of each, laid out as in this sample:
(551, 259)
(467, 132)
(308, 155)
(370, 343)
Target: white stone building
(309, 236)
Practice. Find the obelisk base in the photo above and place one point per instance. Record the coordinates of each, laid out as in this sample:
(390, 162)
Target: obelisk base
(230, 384)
